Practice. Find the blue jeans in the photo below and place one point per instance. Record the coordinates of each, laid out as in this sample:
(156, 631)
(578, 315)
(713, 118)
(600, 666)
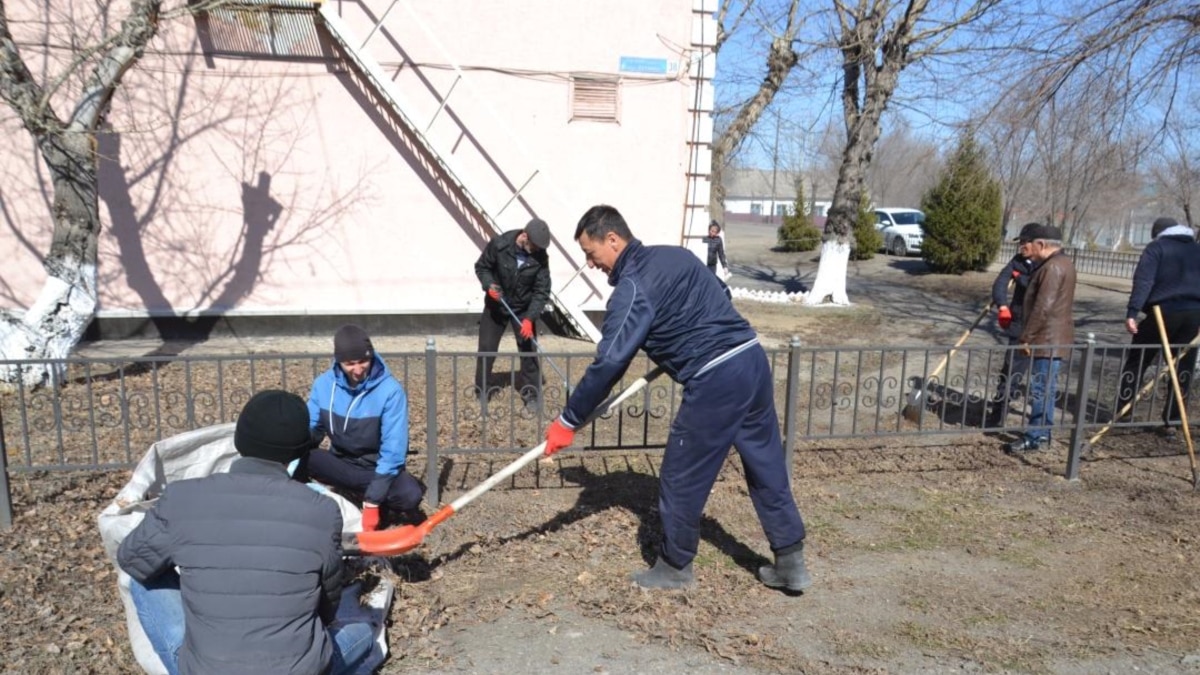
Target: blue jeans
(1043, 379)
(159, 605)
(160, 611)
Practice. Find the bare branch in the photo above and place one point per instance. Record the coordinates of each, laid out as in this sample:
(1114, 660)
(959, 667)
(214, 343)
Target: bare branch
(18, 87)
(127, 46)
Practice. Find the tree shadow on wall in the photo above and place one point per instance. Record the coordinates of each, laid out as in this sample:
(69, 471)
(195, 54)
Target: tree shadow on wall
(260, 214)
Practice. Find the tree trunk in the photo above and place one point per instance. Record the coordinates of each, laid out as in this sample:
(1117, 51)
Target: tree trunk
(781, 58)
(863, 127)
(57, 319)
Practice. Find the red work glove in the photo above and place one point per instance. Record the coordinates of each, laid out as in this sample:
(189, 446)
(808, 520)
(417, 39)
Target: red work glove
(526, 328)
(494, 292)
(1016, 273)
(1004, 317)
(558, 436)
(370, 519)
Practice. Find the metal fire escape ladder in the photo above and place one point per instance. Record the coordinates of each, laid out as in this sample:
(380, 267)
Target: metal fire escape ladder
(570, 316)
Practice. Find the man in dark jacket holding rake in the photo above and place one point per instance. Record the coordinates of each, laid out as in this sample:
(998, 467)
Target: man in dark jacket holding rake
(515, 274)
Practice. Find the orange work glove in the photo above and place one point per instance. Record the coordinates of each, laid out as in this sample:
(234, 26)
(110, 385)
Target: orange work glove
(370, 519)
(494, 292)
(526, 328)
(1004, 317)
(558, 436)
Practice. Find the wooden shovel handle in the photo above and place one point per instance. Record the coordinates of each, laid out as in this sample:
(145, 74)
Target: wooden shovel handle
(1169, 357)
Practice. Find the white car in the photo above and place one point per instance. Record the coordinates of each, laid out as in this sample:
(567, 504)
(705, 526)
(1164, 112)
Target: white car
(901, 229)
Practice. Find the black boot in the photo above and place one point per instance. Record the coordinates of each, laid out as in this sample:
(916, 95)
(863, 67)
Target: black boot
(663, 575)
(788, 571)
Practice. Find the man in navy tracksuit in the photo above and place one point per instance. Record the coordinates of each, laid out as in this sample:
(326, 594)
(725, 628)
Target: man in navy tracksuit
(1167, 275)
(364, 412)
(666, 302)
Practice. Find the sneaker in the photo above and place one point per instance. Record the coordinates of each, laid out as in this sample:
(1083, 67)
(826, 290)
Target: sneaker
(1023, 444)
(1168, 433)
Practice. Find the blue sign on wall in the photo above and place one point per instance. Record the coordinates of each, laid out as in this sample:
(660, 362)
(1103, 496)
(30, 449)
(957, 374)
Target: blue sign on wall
(640, 64)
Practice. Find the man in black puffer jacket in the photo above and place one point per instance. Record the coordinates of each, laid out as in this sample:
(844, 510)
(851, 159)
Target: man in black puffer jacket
(259, 558)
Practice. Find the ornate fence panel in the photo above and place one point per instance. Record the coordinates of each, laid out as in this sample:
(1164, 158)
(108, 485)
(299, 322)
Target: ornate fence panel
(105, 413)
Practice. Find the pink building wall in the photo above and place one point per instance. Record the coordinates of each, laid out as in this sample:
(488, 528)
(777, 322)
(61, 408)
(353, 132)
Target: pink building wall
(282, 186)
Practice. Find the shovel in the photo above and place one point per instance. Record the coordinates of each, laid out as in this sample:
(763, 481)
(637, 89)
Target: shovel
(918, 396)
(536, 346)
(398, 540)
(1170, 358)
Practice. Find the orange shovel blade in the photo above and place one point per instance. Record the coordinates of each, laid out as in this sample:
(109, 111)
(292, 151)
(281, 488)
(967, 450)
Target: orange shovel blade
(398, 540)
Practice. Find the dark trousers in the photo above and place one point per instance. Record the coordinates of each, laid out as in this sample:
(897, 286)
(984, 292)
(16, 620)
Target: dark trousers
(492, 325)
(1181, 329)
(404, 494)
(730, 404)
(1012, 372)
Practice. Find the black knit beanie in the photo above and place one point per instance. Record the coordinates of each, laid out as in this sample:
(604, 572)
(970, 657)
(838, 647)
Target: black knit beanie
(352, 343)
(273, 426)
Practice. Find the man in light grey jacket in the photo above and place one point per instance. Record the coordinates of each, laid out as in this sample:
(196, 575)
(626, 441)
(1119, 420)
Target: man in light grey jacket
(259, 561)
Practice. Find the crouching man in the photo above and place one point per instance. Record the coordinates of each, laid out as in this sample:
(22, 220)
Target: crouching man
(259, 561)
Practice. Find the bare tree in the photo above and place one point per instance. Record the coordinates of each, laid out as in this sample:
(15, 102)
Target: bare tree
(56, 320)
(904, 166)
(877, 40)
(1087, 146)
(1007, 136)
(1151, 42)
(1176, 171)
(781, 57)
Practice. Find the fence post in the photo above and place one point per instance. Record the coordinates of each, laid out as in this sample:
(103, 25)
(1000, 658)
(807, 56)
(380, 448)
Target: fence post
(6, 511)
(432, 472)
(790, 401)
(1078, 432)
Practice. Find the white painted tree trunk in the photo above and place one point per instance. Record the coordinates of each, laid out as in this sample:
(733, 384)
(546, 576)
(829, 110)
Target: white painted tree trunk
(831, 275)
(49, 329)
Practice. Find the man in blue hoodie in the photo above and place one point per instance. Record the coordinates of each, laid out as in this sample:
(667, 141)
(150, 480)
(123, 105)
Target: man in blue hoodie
(666, 302)
(363, 411)
(1167, 275)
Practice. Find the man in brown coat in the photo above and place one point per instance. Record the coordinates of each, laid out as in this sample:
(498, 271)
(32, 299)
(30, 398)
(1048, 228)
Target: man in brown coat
(1048, 334)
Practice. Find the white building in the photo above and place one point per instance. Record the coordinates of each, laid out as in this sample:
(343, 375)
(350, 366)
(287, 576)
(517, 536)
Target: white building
(353, 158)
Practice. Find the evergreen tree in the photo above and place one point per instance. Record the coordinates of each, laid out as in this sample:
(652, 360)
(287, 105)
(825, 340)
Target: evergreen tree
(797, 233)
(867, 238)
(962, 213)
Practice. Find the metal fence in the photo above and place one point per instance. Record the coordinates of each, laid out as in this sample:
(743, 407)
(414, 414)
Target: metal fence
(1098, 263)
(105, 413)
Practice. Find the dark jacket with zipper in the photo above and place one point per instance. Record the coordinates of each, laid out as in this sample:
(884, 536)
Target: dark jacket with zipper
(668, 303)
(260, 569)
(526, 288)
(1049, 306)
(1167, 274)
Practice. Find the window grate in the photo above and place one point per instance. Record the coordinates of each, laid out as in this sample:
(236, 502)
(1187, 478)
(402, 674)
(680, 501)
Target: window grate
(595, 99)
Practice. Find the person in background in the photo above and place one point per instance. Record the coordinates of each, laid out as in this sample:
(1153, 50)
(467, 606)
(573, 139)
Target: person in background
(363, 411)
(1014, 276)
(259, 558)
(716, 247)
(1167, 275)
(665, 302)
(514, 271)
(1049, 331)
